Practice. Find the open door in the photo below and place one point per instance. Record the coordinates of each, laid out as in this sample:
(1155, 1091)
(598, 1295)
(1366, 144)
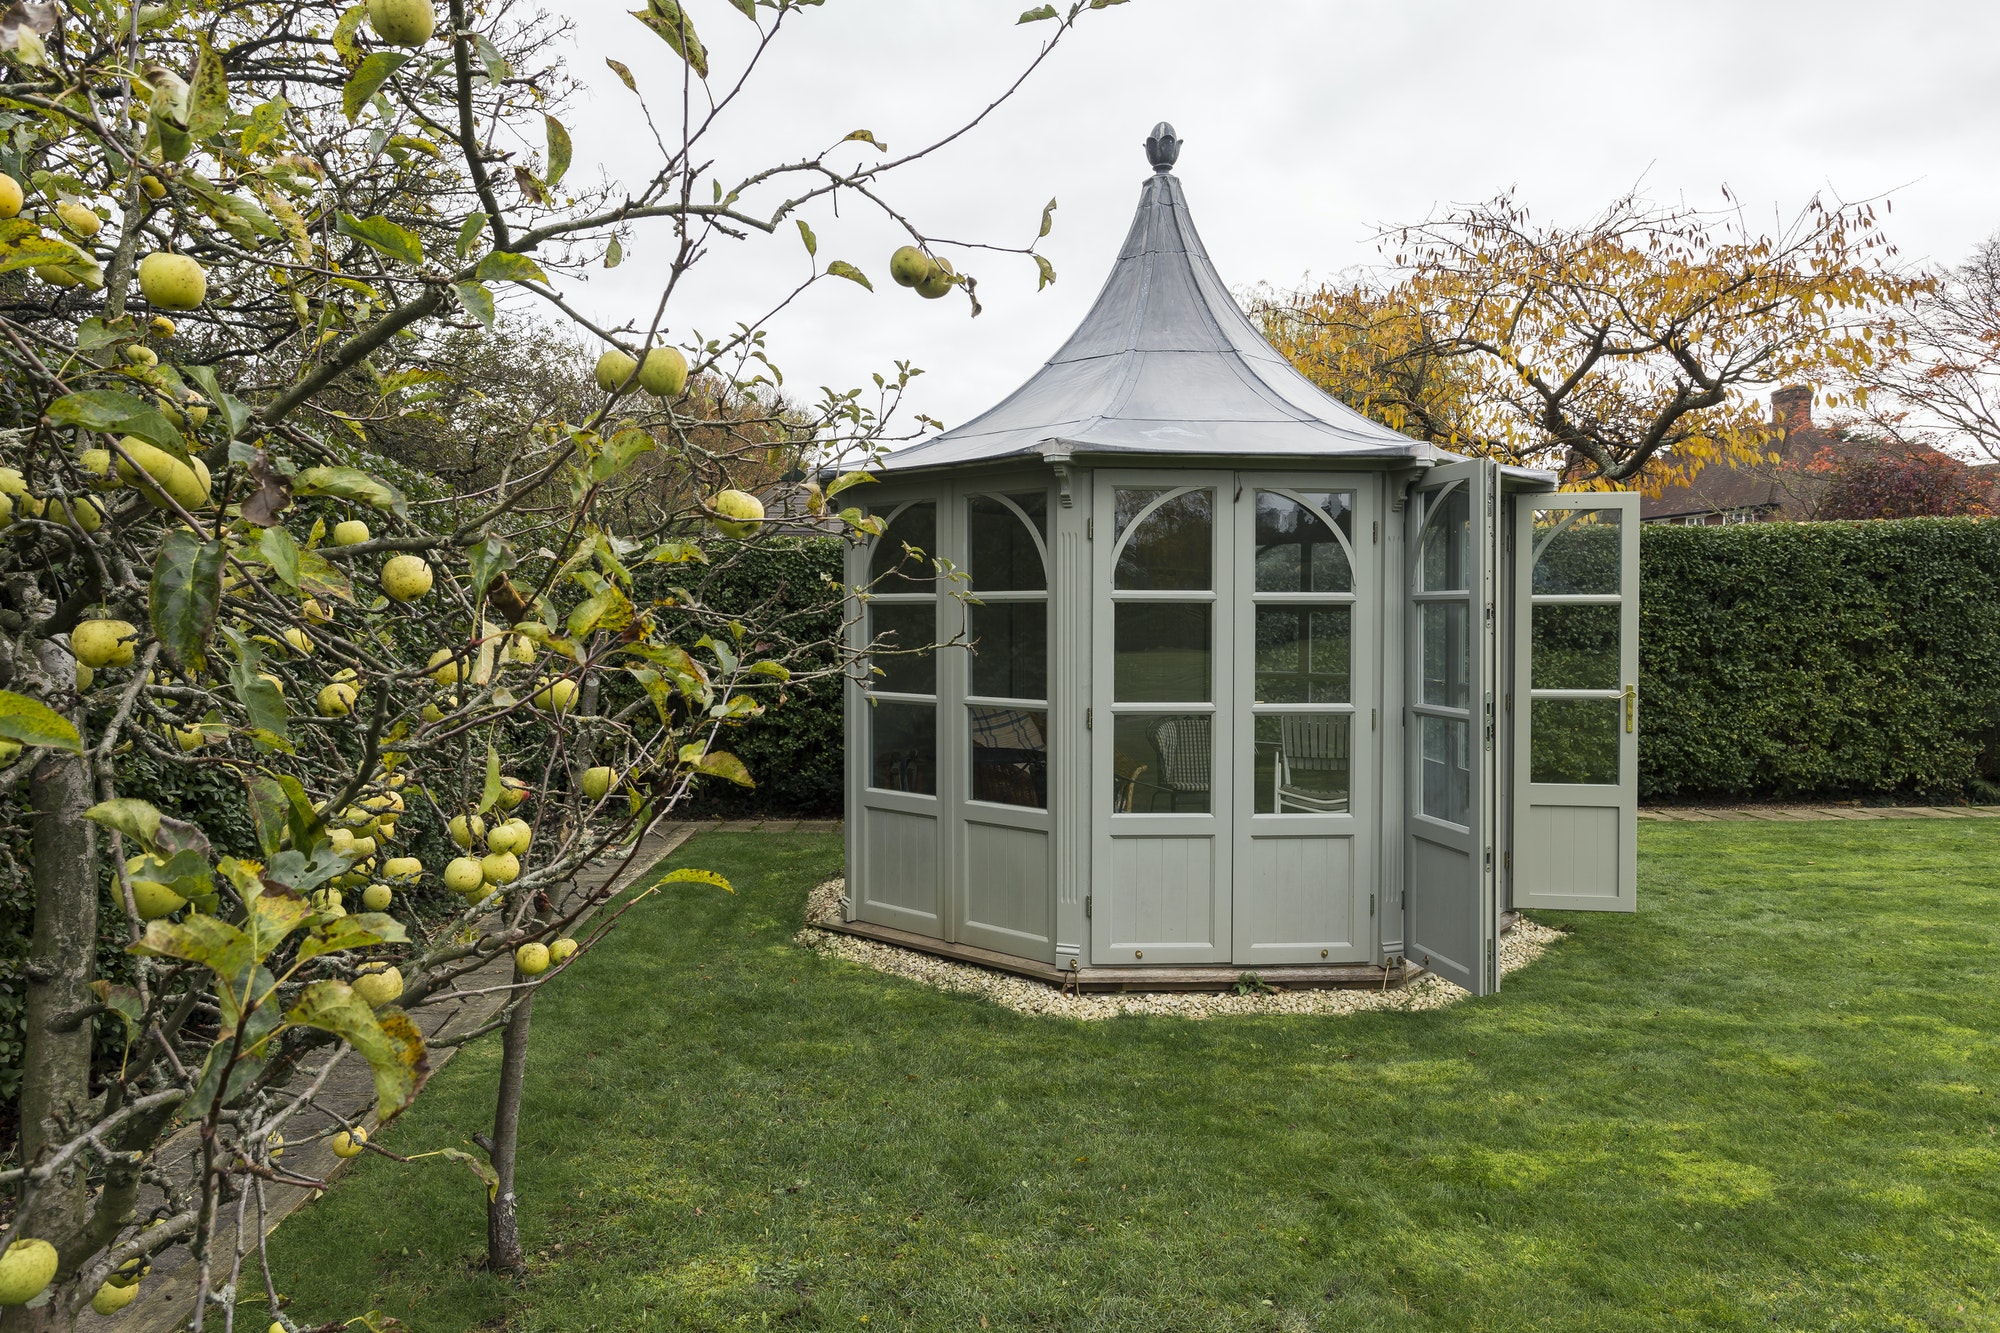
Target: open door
(1451, 902)
(1576, 677)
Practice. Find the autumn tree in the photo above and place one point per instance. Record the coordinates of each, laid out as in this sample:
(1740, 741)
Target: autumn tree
(1950, 382)
(240, 245)
(1632, 343)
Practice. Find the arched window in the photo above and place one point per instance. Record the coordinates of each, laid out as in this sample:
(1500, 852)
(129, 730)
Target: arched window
(1303, 632)
(1007, 622)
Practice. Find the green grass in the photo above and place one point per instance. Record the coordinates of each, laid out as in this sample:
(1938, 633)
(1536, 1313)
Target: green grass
(1767, 1101)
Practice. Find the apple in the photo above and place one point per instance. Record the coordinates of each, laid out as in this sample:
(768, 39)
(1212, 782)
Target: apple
(315, 611)
(141, 355)
(560, 951)
(466, 830)
(172, 282)
(350, 532)
(111, 1297)
(163, 327)
(406, 578)
(26, 1270)
(739, 513)
(377, 897)
(664, 372)
(938, 281)
(402, 22)
(614, 368)
(11, 197)
(596, 782)
(500, 867)
(300, 641)
(103, 643)
(557, 696)
(909, 266)
(80, 219)
(464, 875)
(532, 959)
(84, 676)
(513, 791)
(402, 869)
(349, 1142)
(153, 187)
(445, 666)
(337, 699)
(378, 984)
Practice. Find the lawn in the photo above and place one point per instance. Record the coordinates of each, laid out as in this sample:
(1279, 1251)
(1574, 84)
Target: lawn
(1767, 1101)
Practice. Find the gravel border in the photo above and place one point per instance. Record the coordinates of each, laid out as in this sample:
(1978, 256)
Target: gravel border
(1519, 947)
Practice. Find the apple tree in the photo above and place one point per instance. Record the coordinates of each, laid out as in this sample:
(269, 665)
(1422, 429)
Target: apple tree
(234, 241)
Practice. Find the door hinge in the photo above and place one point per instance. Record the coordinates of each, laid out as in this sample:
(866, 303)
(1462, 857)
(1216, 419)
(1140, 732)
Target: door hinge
(1371, 719)
(1507, 861)
(1089, 529)
(1086, 719)
(1510, 703)
(1375, 529)
(1489, 858)
(1086, 905)
(1371, 904)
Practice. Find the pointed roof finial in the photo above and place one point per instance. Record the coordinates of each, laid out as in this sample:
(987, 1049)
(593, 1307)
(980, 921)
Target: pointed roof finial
(1162, 147)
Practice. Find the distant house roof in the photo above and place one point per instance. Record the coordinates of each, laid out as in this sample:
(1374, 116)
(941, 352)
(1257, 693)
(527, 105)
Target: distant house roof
(1166, 362)
(1720, 488)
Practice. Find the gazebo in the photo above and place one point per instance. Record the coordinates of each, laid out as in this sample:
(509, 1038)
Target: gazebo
(1232, 678)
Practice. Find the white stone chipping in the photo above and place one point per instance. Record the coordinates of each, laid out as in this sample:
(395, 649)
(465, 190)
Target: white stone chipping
(1519, 947)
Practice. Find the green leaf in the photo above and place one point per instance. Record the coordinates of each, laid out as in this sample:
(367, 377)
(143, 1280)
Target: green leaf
(208, 94)
(560, 149)
(497, 68)
(33, 723)
(676, 29)
(677, 553)
(351, 484)
(23, 246)
(623, 71)
(270, 812)
(806, 235)
(207, 940)
(274, 914)
(491, 792)
(488, 559)
(722, 764)
(747, 8)
(357, 930)
(1036, 15)
(368, 80)
(478, 301)
(390, 1044)
(840, 268)
(265, 122)
(263, 702)
(775, 670)
(186, 589)
(505, 266)
(468, 232)
(383, 236)
(1048, 220)
(614, 254)
(1047, 270)
(282, 551)
(845, 480)
(607, 608)
(136, 819)
(117, 413)
(317, 575)
(864, 136)
(689, 875)
(344, 31)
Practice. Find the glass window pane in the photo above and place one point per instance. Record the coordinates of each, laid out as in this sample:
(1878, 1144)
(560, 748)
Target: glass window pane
(1447, 654)
(1002, 555)
(1304, 654)
(891, 568)
(1160, 762)
(1171, 547)
(903, 625)
(1296, 550)
(903, 747)
(1577, 551)
(1574, 740)
(1161, 653)
(1303, 764)
(1010, 649)
(1444, 562)
(1446, 777)
(1010, 755)
(1573, 647)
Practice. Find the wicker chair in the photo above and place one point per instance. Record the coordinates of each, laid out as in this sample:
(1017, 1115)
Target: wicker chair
(1186, 747)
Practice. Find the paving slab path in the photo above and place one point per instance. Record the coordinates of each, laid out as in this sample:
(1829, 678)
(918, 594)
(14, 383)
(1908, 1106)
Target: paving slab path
(166, 1301)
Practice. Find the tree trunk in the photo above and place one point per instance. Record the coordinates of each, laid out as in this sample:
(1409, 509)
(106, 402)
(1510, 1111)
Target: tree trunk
(62, 962)
(503, 1230)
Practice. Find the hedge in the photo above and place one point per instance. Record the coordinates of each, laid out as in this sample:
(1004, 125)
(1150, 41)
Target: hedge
(1791, 660)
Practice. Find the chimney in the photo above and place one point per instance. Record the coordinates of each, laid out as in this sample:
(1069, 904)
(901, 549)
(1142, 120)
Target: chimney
(1791, 408)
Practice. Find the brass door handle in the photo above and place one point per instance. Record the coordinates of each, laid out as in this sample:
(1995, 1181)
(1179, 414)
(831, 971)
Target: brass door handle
(1631, 708)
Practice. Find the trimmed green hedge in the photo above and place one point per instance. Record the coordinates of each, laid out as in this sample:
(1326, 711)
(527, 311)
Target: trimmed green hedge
(1789, 660)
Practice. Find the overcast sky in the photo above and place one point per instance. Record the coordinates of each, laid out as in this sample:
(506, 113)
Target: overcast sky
(1307, 124)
